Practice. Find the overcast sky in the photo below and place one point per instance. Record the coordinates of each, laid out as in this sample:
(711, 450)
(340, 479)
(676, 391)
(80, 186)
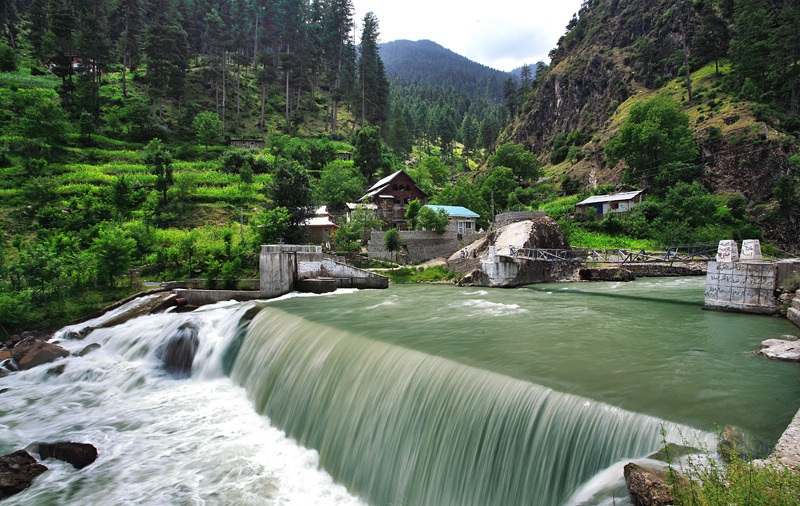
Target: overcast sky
(503, 34)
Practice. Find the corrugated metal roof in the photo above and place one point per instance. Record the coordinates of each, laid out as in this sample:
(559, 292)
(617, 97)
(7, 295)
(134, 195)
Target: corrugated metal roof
(383, 182)
(616, 197)
(320, 221)
(455, 211)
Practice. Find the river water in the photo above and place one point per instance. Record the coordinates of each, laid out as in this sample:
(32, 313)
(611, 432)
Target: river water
(415, 395)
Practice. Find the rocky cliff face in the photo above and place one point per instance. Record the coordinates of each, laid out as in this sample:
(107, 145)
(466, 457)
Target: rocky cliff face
(600, 62)
(615, 50)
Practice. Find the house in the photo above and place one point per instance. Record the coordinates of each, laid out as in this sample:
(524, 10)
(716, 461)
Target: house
(352, 207)
(319, 226)
(247, 143)
(462, 220)
(615, 203)
(391, 195)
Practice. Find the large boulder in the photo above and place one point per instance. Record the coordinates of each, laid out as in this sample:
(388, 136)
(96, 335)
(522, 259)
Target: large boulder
(178, 352)
(17, 472)
(497, 260)
(79, 455)
(30, 353)
(647, 487)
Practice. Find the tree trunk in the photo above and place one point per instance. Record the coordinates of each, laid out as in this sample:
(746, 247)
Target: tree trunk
(224, 83)
(238, 94)
(263, 104)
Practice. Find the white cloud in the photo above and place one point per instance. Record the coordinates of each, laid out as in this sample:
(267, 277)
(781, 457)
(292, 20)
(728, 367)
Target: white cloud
(502, 34)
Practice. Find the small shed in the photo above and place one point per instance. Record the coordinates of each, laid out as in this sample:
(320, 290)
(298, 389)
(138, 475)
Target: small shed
(462, 220)
(320, 226)
(614, 203)
(247, 143)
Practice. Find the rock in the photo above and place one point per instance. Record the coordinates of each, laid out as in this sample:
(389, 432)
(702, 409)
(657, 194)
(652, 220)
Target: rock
(79, 455)
(3, 373)
(57, 370)
(733, 441)
(17, 472)
(179, 350)
(78, 335)
(673, 451)
(780, 349)
(5, 354)
(605, 274)
(30, 353)
(647, 487)
(88, 349)
(9, 365)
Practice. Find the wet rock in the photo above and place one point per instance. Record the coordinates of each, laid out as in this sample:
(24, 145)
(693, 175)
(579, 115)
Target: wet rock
(780, 349)
(30, 353)
(178, 352)
(57, 370)
(79, 455)
(88, 349)
(9, 365)
(5, 355)
(672, 451)
(78, 335)
(647, 487)
(17, 472)
(605, 274)
(3, 373)
(733, 441)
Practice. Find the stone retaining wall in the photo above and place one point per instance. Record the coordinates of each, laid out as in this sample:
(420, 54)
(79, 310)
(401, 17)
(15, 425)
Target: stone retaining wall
(421, 245)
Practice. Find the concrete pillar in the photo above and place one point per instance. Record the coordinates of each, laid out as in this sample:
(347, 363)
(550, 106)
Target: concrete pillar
(727, 251)
(751, 250)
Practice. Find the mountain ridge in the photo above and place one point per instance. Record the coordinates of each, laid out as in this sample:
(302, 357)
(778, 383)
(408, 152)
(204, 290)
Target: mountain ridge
(426, 61)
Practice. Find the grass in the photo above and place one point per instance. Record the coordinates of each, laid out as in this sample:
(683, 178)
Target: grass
(405, 275)
(739, 482)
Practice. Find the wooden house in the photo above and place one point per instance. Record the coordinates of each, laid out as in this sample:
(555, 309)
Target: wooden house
(391, 195)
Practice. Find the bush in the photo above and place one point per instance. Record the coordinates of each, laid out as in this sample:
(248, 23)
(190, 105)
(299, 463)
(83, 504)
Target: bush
(8, 59)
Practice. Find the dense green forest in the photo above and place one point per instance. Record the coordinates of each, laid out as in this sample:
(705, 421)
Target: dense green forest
(115, 118)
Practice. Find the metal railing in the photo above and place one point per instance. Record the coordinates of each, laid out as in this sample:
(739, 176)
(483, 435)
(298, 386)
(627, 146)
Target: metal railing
(672, 254)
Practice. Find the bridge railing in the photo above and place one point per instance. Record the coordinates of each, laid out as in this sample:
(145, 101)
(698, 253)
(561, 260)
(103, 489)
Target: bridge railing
(680, 253)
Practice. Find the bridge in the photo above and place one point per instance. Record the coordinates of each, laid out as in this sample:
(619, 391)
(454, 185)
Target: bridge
(685, 253)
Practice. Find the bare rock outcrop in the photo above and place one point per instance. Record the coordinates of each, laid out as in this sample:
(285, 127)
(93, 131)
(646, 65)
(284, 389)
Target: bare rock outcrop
(178, 352)
(79, 455)
(787, 350)
(31, 352)
(646, 486)
(17, 472)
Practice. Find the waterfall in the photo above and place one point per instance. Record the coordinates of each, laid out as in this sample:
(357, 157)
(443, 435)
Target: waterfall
(401, 427)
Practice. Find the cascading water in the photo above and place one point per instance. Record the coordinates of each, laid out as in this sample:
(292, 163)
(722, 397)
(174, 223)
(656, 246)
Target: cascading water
(418, 395)
(405, 428)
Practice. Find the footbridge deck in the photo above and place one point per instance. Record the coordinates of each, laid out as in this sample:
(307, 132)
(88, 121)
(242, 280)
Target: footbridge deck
(680, 254)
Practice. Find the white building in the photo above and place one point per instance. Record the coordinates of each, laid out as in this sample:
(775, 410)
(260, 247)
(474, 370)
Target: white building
(615, 203)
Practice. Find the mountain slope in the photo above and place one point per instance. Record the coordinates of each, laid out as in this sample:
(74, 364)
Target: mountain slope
(427, 62)
(617, 54)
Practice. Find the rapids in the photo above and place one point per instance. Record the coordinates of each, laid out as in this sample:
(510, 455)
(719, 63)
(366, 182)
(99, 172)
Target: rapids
(419, 395)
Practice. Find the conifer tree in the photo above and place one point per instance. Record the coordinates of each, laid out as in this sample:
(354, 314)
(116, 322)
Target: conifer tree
(374, 86)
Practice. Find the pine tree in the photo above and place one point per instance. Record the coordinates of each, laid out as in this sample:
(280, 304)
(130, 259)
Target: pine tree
(373, 84)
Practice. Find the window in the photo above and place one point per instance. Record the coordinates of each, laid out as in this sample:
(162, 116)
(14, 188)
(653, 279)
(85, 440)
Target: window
(615, 205)
(395, 187)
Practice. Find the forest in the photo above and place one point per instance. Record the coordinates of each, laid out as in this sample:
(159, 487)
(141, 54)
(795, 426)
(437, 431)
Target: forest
(116, 118)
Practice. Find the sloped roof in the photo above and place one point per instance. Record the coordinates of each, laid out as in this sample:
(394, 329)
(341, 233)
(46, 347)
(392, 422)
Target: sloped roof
(385, 182)
(455, 211)
(616, 197)
(319, 222)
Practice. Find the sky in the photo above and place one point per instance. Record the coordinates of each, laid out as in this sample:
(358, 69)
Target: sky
(502, 34)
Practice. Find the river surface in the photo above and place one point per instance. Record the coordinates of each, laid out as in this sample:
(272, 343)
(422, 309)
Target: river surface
(415, 395)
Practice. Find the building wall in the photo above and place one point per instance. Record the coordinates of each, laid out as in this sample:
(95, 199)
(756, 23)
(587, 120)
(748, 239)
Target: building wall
(421, 245)
(742, 286)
